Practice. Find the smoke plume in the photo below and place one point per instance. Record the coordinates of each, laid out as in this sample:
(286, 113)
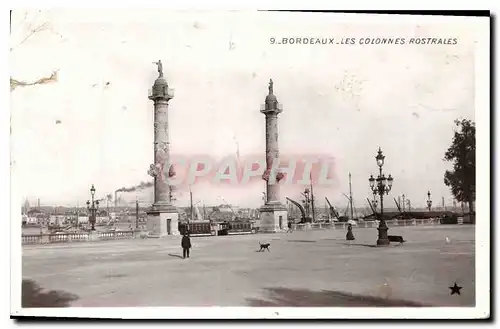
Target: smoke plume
(141, 186)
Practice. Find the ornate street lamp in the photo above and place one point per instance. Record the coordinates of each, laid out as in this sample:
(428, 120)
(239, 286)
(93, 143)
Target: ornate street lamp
(429, 201)
(374, 203)
(381, 185)
(306, 201)
(92, 207)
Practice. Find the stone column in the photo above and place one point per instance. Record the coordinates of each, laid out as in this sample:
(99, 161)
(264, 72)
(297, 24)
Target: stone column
(272, 155)
(273, 214)
(161, 152)
(163, 217)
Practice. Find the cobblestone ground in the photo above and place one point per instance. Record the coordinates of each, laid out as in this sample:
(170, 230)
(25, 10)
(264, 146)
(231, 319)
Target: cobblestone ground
(315, 268)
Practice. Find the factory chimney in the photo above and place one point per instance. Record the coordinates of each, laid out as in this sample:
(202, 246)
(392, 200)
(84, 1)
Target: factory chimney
(136, 214)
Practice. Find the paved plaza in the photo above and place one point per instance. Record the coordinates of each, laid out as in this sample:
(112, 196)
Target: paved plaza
(314, 268)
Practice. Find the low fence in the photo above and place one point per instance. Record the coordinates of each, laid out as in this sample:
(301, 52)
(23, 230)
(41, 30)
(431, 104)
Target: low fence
(28, 239)
(77, 237)
(366, 224)
(116, 235)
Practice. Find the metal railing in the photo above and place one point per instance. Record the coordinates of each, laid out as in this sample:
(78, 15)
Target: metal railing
(115, 235)
(366, 224)
(28, 239)
(31, 239)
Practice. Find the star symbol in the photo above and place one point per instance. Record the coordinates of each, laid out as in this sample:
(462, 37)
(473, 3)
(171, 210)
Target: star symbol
(455, 289)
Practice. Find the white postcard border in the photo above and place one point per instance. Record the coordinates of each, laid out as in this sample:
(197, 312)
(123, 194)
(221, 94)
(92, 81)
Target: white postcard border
(482, 235)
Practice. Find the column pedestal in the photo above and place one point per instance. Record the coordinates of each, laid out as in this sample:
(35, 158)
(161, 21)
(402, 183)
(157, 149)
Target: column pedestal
(162, 220)
(383, 240)
(273, 218)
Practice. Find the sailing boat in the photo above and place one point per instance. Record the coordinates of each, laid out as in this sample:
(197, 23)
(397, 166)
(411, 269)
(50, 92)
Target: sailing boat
(350, 207)
(198, 213)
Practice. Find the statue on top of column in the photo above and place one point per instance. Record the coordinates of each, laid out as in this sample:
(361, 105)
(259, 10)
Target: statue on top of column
(160, 68)
(270, 86)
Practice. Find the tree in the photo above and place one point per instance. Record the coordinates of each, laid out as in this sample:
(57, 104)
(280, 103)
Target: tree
(462, 153)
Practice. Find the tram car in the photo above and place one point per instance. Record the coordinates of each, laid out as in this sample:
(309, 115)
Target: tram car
(233, 227)
(196, 228)
(222, 228)
(199, 228)
(239, 227)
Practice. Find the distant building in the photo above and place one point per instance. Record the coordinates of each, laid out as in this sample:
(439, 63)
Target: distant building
(26, 207)
(221, 216)
(34, 212)
(83, 219)
(228, 208)
(56, 219)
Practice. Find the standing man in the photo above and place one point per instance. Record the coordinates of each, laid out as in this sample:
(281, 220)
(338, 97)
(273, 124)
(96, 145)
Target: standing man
(186, 245)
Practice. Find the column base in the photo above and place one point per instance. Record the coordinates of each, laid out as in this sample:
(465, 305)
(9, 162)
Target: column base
(383, 239)
(383, 242)
(273, 218)
(162, 220)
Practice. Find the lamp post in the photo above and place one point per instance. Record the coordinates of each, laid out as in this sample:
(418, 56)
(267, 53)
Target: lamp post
(382, 186)
(429, 201)
(306, 201)
(375, 201)
(92, 207)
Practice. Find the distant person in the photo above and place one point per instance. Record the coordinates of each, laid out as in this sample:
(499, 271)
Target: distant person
(186, 245)
(289, 226)
(349, 236)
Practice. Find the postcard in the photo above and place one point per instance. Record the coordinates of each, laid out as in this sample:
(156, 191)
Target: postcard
(182, 164)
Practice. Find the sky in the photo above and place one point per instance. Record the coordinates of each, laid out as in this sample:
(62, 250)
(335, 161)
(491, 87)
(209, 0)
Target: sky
(94, 125)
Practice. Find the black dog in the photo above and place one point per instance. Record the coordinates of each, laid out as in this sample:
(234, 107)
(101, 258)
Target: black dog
(264, 246)
(396, 238)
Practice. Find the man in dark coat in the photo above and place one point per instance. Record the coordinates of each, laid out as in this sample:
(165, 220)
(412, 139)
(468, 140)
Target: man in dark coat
(186, 245)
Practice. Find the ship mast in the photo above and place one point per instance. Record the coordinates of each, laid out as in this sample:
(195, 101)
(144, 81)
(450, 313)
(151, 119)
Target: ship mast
(312, 200)
(350, 197)
(191, 201)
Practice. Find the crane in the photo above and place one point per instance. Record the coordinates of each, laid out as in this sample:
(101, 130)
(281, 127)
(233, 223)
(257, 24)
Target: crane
(397, 205)
(333, 212)
(372, 207)
(301, 208)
